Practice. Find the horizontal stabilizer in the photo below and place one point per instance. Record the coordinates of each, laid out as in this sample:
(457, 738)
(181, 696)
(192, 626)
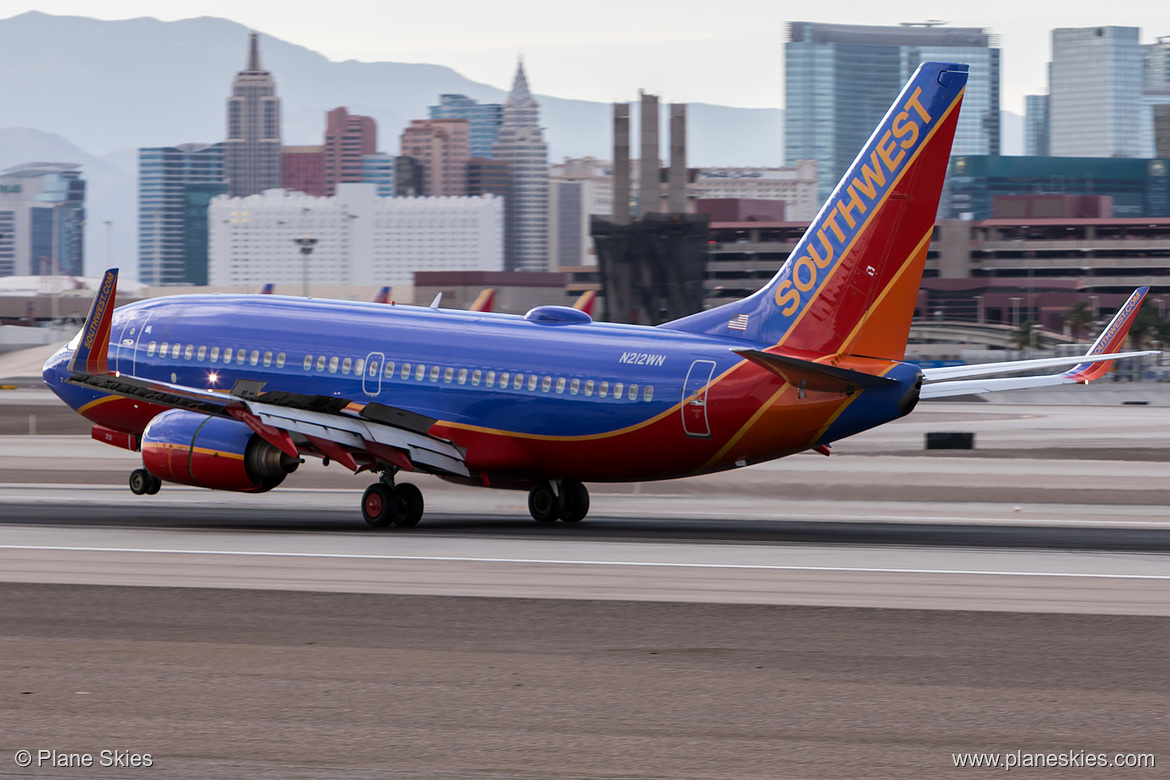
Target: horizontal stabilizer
(808, 375)
(1013, 366)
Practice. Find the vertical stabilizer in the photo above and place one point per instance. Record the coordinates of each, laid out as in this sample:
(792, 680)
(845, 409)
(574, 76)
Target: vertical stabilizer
(851, 283)
(90, 355)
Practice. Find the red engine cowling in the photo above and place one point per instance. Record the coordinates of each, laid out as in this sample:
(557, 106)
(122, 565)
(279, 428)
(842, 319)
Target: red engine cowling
(212, 452)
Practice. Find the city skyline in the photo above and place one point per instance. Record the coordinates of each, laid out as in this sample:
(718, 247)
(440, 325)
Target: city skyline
(686, 56)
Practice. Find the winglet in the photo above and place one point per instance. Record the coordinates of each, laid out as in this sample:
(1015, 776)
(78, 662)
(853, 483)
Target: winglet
(484, 302)
(90, 355)
(1109, 341)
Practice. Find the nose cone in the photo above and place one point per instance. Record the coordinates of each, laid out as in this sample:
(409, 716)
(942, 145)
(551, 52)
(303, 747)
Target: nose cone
(56, 369)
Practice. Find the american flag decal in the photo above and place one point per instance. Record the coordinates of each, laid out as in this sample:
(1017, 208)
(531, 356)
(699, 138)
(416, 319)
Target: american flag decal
(739, 322)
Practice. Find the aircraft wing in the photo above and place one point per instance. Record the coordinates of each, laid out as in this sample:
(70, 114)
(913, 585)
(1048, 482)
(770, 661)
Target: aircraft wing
(958, 380)
(351, 434)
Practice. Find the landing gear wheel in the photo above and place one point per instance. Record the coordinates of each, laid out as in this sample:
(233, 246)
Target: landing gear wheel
(576, 501)
(140, 481)
(379, 505)
(410, 505)
(154, 486)
(544, 504)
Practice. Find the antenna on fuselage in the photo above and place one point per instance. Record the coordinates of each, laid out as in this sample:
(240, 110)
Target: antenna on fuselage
(435, 302)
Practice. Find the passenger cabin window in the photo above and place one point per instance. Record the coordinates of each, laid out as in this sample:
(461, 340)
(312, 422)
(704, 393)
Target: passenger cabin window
(648, 393)
(346, 365)
(359, 366)
(560, 384)
(545, 384)
(280, 360)
(406, 370)
(504, 377)
(448, 375)
(151, 348)
(389, 369)
(419, 372)
(255, 359)
(333, 364)
(476, 376)
(202, 353)
(531, 381)
(588, 387)
(633, 393)
(175, 350)
(267, 359)
(162, 351)
(462, 376)
(603, 390)
(321, 362)
(617, 390)
(308, 362)
(214, 354)
(189, 352)
(434, 373)
(574, 386)
(240, 357)
(227, 355)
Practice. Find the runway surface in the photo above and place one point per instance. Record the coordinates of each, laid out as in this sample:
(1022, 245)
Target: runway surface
(694, 629)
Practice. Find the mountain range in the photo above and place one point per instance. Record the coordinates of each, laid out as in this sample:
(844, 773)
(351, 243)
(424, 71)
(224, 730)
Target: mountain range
(93, 91)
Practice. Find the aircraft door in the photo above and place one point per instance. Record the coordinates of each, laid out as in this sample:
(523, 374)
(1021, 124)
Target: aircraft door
(372, 377)
(694, 399)
(136, 330)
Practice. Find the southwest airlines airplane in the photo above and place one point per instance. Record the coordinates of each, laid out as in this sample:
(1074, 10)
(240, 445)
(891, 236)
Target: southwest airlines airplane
(233, 392)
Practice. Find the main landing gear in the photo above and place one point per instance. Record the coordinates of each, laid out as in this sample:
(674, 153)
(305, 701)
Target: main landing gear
(142, 482)
(566, 500)
(385, 503)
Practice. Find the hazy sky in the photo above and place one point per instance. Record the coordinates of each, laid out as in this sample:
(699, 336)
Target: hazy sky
(685, 50)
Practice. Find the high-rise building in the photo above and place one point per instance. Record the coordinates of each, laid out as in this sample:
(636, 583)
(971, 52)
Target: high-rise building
(840, 79)
(487, 177)
(1036, 125)
(174, 183)
(522, 146)
(361, 238)
(42, 219)
(252, 148)
(1095, 99)
(348, 138)
(483, 120)
(1156, 65)
(302, 169)
(441, 148)
(379, 169)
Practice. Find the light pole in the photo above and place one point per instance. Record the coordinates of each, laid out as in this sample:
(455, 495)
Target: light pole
(306, 244)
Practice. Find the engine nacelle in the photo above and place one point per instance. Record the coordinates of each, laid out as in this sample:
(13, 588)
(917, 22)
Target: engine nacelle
(212, 452)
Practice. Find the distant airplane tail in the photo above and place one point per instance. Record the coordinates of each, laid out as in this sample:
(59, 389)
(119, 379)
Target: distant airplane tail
(851, 283)
(266, 289)
(586, 301)
(382, 296)
(485, 300)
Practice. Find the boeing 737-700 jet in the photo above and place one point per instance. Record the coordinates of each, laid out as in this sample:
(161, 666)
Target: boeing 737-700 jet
(232, 392)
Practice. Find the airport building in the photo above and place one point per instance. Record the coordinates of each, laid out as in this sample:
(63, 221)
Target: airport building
(796, 185)
(175, 186)
(1137, 187)
(359, 238)
(841, 79)
(42, 220)
(522, 146)
(252, 150)
(483, 120)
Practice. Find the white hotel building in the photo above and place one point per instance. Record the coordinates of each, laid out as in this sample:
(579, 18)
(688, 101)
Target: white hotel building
(361, 238)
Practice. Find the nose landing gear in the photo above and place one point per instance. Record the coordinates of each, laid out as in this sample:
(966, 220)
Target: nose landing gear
(566, 500)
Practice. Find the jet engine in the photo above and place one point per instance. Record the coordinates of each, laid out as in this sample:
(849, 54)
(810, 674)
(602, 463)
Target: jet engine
(212, 452)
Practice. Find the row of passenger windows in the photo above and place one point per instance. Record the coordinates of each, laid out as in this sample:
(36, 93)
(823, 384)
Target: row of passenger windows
(475, 377)
(418, 372)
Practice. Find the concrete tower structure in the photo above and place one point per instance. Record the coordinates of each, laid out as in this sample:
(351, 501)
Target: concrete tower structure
(649, 174)
(522, 146)
(348, 138)
(252, 148)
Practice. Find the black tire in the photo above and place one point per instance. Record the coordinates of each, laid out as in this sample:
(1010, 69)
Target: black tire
(576, 501)
(410, 505)
(544, 504)
(379, 505)
(154, 486)
(139, 481)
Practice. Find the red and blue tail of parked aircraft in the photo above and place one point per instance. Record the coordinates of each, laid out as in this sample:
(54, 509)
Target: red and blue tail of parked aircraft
(231, 392)
(382, 296)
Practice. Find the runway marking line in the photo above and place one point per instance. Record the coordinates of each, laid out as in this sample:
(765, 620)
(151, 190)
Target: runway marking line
(556, 562)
